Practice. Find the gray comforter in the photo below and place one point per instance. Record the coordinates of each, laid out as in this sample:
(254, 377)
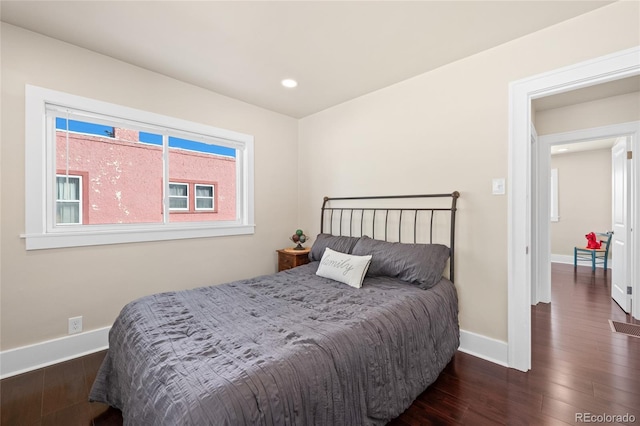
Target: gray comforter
(290, 348)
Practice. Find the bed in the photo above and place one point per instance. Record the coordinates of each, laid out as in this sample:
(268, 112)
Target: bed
(295, 347)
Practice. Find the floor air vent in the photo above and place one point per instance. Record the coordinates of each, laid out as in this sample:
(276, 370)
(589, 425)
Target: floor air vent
(632, 330)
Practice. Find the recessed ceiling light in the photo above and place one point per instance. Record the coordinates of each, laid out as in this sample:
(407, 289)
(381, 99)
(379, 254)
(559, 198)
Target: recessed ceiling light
(290, 83)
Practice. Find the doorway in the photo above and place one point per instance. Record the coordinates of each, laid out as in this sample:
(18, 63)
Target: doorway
(521, 229)
(601, 139)
(581, 178)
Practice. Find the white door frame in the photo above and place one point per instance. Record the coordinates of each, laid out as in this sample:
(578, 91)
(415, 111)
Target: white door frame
(536, 193)
(600, 70)
(546, 142)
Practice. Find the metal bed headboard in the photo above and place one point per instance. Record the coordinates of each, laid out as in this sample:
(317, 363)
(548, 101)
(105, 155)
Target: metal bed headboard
(380, 215)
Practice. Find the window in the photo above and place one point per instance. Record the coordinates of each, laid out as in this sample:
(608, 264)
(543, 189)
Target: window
(178, 196)
(106, 178)
(204, 197)
(181, 200)
(68, 199)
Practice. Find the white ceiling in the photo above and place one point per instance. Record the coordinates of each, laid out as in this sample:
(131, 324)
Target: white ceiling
(336, 50)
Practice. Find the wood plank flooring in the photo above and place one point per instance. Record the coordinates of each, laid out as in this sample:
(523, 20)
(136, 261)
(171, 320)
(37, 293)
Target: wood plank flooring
(56, 395)
(579, 366)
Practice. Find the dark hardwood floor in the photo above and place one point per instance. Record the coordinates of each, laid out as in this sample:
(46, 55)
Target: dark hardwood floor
(579, 366)
(56, 395)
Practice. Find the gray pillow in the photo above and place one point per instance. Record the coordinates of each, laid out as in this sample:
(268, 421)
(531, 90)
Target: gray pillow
(421, 264)
(336, 243)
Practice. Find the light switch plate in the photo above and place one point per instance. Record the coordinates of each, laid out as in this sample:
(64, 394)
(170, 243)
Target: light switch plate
(497, 186)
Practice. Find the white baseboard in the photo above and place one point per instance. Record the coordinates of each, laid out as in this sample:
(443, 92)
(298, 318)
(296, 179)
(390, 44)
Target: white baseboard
(484, 347)
(28, 358)
(563, 258)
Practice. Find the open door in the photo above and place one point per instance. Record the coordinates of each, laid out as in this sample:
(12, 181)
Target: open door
(620, 250)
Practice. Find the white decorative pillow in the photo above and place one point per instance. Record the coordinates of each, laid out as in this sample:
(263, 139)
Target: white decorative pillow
(346, 268)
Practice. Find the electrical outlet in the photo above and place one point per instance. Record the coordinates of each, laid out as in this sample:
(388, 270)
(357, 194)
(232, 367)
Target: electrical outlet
(75, 325)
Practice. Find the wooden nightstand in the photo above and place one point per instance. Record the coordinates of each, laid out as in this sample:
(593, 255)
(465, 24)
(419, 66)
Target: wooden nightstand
(289, 258)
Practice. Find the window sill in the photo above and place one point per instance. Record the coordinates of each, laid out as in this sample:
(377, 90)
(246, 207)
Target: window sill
(82, 238)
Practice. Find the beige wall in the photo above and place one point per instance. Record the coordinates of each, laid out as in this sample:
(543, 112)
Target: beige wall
(441, 131)
(584, 198)
(603, 112)
(448, 130)
(42, 289)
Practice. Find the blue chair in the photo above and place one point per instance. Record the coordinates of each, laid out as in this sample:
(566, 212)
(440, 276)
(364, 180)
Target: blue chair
(595, 256)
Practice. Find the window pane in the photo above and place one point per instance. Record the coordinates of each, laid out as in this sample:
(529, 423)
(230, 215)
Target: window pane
(68, 187)
(178, 203)
(177, 190)
(67, 212)
(204, 203)
(123, 176)
(204, 191)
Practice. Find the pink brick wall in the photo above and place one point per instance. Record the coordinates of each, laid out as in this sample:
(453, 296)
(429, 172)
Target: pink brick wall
(124, 178)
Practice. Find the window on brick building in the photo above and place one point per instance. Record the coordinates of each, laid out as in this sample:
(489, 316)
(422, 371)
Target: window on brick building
(68, 199)
(204, 195)
(140, 178)
(178, 196)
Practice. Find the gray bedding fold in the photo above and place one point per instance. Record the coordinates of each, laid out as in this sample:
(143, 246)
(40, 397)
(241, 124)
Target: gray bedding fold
(290, 348)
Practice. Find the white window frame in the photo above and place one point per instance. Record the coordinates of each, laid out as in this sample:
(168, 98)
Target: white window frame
(177, 209)
(212, 198)
(40, 172)
(79, 200)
